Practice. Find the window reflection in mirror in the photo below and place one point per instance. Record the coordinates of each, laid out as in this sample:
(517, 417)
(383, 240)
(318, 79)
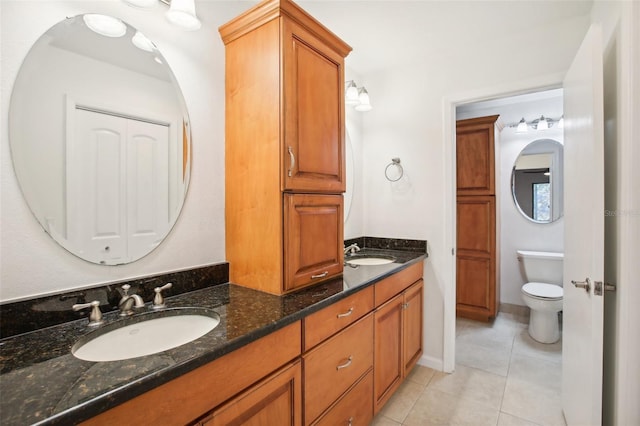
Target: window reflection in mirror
(100, 141)
(537, 181)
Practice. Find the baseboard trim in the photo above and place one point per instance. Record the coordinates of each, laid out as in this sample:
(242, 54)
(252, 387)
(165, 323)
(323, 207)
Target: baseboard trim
(431, 362)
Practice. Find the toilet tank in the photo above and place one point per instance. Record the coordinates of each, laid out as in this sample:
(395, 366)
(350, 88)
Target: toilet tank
(541, 266)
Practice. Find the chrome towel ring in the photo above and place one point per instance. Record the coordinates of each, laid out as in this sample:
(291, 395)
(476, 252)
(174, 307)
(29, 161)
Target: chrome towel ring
(399, 171)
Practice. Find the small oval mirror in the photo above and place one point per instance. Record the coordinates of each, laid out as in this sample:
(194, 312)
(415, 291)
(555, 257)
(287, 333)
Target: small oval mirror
(537, 181)
(100, 139)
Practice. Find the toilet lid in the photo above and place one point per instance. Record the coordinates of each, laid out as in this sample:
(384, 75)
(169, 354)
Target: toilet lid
(543, 290)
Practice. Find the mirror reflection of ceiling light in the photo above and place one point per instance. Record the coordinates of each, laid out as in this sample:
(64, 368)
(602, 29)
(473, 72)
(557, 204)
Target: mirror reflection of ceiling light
(181, 13)
(107, 26)
(358, 97)
(142, 42)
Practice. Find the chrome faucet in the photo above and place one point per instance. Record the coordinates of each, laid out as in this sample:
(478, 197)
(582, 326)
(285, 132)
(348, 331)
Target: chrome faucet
(129, 301)
(353, 248)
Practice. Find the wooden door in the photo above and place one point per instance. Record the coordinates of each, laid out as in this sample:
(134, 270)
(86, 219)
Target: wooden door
(313, 151)
(275, 401)
(388, 362)
(412, 325)
(313, 239)
(476, 291)
(475, 156)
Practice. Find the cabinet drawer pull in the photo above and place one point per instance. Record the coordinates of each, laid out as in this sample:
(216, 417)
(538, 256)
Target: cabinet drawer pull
(346, 364)
(322, 275)
(292, 159)
(346, 314)
(350, 421)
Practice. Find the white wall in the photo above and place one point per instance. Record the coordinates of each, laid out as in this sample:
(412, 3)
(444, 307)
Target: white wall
(517, 232)
(408, 122)
(33, 264)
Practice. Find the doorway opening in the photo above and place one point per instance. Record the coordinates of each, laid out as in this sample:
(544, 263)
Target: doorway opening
(503, 346)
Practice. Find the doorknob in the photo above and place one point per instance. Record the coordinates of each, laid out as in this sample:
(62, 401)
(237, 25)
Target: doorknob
(586, 284)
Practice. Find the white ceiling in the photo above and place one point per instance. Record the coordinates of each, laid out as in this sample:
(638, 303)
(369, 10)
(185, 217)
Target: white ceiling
(384, 32)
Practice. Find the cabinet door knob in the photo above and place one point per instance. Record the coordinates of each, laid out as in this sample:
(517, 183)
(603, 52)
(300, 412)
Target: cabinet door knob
(346, 364)
(292, 159)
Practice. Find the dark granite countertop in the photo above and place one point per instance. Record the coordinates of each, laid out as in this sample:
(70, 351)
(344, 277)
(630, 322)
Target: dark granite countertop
(41, 382)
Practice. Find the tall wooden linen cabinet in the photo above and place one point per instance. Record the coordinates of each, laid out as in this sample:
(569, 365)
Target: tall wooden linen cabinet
(284, 152)
(477, 282)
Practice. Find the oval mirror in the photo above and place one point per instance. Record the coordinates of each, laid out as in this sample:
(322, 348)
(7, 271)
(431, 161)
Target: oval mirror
(350, 166)
(537, 181)
(100, 139)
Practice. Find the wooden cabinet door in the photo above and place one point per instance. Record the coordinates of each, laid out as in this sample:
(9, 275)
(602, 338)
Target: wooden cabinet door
(313, 142)
(476, 289)
(276, 400)
(475, 156)
(312, 238)
(412, 327)
(388, 364)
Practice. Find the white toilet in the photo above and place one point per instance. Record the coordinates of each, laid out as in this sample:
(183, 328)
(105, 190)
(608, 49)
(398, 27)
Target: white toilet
(543, 293)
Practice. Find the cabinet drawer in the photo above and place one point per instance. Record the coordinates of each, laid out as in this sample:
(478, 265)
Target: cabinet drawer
(397, 283)
(325, 323)
(355, 408)
(334, 366)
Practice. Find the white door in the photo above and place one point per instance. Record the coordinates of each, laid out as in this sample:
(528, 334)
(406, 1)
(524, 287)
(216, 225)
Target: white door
(96, 187)
(584, 234)
(117, 186)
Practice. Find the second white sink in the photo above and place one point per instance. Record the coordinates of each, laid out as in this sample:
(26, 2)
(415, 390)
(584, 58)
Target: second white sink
(146, 337)
(370, 260)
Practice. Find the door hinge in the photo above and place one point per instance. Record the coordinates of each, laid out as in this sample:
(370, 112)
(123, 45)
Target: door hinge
(599, 285)
(453, 252)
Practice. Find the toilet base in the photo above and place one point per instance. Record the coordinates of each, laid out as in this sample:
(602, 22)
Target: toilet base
(544, 327)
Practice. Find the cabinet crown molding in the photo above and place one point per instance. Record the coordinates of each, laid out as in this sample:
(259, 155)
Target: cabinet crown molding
(269, 10)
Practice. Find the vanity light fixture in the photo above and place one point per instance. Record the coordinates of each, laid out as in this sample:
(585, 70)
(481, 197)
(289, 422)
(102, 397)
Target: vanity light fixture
(107, 26)
(181, 13)
(522, 126)
(351, 94)
(542, 123)
(358, 97)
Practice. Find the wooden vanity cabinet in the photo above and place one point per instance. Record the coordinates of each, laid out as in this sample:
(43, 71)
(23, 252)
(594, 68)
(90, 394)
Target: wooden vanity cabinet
(398, 331)
(284, 135)
(194, 395)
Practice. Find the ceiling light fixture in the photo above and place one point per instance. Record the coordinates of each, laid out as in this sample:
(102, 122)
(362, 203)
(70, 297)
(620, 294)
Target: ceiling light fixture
(181, 13)
(542, 123)
(358, 97)
(107, 26)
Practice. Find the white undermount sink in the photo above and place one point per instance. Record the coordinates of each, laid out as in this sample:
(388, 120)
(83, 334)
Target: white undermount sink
(370, 260)
(148, 334)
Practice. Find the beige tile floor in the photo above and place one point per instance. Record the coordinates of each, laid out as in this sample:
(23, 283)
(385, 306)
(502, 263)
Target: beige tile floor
(502, 378)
